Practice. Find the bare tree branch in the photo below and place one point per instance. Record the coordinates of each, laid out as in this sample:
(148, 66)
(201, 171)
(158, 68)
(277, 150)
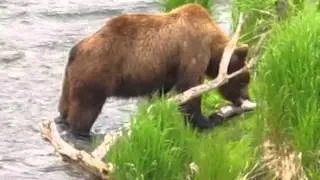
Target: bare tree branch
(223, 68)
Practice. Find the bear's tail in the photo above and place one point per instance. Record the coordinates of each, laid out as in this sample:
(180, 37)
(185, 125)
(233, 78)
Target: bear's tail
(64, 98)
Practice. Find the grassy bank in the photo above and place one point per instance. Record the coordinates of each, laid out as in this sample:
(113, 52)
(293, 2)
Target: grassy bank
(289, 84)
(162, 147)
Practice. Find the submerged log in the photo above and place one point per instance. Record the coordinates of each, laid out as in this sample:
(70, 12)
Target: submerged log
(89, 162)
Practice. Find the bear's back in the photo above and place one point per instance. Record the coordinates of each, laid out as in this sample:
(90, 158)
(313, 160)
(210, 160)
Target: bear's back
(152, 42)
(134, 26)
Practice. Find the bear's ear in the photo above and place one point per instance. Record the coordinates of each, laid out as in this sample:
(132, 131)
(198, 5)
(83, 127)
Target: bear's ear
(242, 51)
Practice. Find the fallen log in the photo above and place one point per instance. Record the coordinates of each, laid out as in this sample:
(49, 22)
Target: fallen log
(109, 139)
(89, 162)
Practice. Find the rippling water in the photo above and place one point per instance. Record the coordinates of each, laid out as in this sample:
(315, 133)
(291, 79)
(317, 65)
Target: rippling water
(35, 38)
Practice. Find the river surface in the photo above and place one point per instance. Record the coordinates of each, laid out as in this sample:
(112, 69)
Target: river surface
(35, 38)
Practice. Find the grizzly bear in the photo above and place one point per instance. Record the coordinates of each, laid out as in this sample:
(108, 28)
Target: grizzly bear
(135, 55)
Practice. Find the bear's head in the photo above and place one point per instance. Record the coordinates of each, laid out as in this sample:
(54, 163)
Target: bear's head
(238, 58)
(236, 89)
(237, 61)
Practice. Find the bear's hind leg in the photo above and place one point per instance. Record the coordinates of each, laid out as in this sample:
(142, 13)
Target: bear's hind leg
(63, 102)
(63, 105)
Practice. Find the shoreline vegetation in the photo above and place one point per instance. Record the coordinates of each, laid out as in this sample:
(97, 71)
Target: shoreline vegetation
(278, 140)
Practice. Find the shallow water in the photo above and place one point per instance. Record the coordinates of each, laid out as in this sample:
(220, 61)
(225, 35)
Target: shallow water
(35, 38)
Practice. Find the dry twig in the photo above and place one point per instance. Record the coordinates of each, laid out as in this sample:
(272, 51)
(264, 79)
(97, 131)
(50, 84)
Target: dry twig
(285, 163)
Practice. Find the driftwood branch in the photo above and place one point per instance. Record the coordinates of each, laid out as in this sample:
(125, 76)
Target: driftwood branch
(89, 162)
(109, 139)
(223, 67)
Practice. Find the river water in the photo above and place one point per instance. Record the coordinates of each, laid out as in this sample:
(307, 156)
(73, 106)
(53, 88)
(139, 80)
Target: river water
(35, 38)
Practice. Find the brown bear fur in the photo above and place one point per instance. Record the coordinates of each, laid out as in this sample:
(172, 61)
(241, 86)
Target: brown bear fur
(135, 55)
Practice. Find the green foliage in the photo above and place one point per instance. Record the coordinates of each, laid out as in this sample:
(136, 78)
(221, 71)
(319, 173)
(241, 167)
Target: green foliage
(260, 16)
(168, 5)
(299, 4)
(161, 146)
(157, 145)
(211, 101)
(289, 84)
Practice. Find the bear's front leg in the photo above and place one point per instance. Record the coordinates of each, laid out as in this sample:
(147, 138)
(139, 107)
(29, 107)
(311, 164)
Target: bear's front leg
(192, 108)
(193, 112)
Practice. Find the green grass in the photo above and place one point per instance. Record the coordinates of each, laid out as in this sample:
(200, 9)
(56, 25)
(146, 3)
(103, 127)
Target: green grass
(261, 16)
(157, 146)
(162, 147)
(289, 86)
(168, 5)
